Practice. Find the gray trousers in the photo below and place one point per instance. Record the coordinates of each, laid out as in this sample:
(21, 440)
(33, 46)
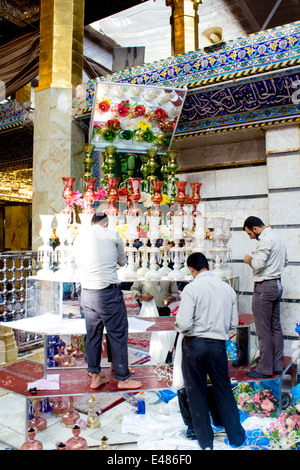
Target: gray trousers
(106, 308)
(266, 312)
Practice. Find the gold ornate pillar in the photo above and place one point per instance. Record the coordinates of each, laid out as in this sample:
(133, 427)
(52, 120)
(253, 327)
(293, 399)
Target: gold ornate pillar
(184, 25)
(61, 43)
(24, 94)
(58, 140)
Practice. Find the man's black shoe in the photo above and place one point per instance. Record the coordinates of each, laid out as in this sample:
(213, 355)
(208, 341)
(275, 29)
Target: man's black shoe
(256, 375)
(238, 363)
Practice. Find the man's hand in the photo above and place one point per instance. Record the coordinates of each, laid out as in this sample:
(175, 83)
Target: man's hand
(248, 260)
(146, 297)
(169, 300)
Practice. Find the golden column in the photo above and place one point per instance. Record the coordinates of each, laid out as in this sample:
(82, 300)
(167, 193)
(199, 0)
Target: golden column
(184, 25)
(58, 140)
(61, 43)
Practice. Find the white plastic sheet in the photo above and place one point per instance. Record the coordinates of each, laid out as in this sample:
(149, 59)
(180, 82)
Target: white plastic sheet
(148, 309)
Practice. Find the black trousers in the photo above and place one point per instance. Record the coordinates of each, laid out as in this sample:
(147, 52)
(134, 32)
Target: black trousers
(202, 358)
(106, 308)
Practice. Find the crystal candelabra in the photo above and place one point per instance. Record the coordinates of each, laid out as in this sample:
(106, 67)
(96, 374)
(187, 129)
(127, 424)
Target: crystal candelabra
(45, 252)
(199, 234)
(149, 261)
(176, 251)
(227, 251)
(133, 218)
(154, 220)
(187, 251)
(221, 253)
(143, 251)
(63, 252)
(165, 255)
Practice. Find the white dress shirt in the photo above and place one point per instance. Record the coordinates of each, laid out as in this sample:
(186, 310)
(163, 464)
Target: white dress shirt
(270, 256)
(208, 308)
(97, 252)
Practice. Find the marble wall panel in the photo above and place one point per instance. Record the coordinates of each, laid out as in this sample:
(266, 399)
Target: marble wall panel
(283, 139)
(290, 314)
(284, 208)
(290, 283)
(229, 182)
(283, 171)
(227, 153)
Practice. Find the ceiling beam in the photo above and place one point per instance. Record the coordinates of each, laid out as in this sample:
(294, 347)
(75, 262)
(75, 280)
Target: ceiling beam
(271, 14)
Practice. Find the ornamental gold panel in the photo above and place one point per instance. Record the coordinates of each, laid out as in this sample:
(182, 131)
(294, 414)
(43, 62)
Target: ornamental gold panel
(61, 43)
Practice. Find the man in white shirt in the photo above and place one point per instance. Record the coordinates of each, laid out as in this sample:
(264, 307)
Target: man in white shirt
(206, 313)
(97, 252)
(267, 264)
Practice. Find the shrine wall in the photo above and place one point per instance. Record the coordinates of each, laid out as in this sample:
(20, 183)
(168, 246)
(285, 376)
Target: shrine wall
(238, 181)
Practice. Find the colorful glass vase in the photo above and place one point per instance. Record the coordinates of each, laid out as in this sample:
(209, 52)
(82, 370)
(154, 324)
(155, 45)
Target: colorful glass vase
(172, 166)
(156, 193)
(61, 446)
(32, 443)
(145, 171)
(68, 194)
(135, 195)
(58, 408)
(88, 160)
(113, 192)
(93, 420)
(70, 417)
(89, 195)
(181, 197)
(165, 172)
(195, 197)
(110, 160)
(152, 165)
(104, 444)
(37, 422)
(195, 200)
(76, 442)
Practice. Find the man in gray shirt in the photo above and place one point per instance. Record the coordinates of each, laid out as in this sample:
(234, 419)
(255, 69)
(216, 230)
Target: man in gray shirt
(267, 264)
(97, 252)
(206, 313)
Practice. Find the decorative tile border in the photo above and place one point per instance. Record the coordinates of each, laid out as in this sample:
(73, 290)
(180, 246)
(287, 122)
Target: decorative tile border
(248, 102)
(255, 54)
(12, 114)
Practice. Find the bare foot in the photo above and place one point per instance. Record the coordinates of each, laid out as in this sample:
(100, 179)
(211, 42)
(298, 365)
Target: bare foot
(98, 381)
(129, 384)
(132, 371)
(90, 374)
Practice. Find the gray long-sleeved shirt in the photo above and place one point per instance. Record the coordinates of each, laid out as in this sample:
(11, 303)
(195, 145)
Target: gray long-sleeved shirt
(160, 290)
(97, 252)
(270, 256)
(208, 308)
